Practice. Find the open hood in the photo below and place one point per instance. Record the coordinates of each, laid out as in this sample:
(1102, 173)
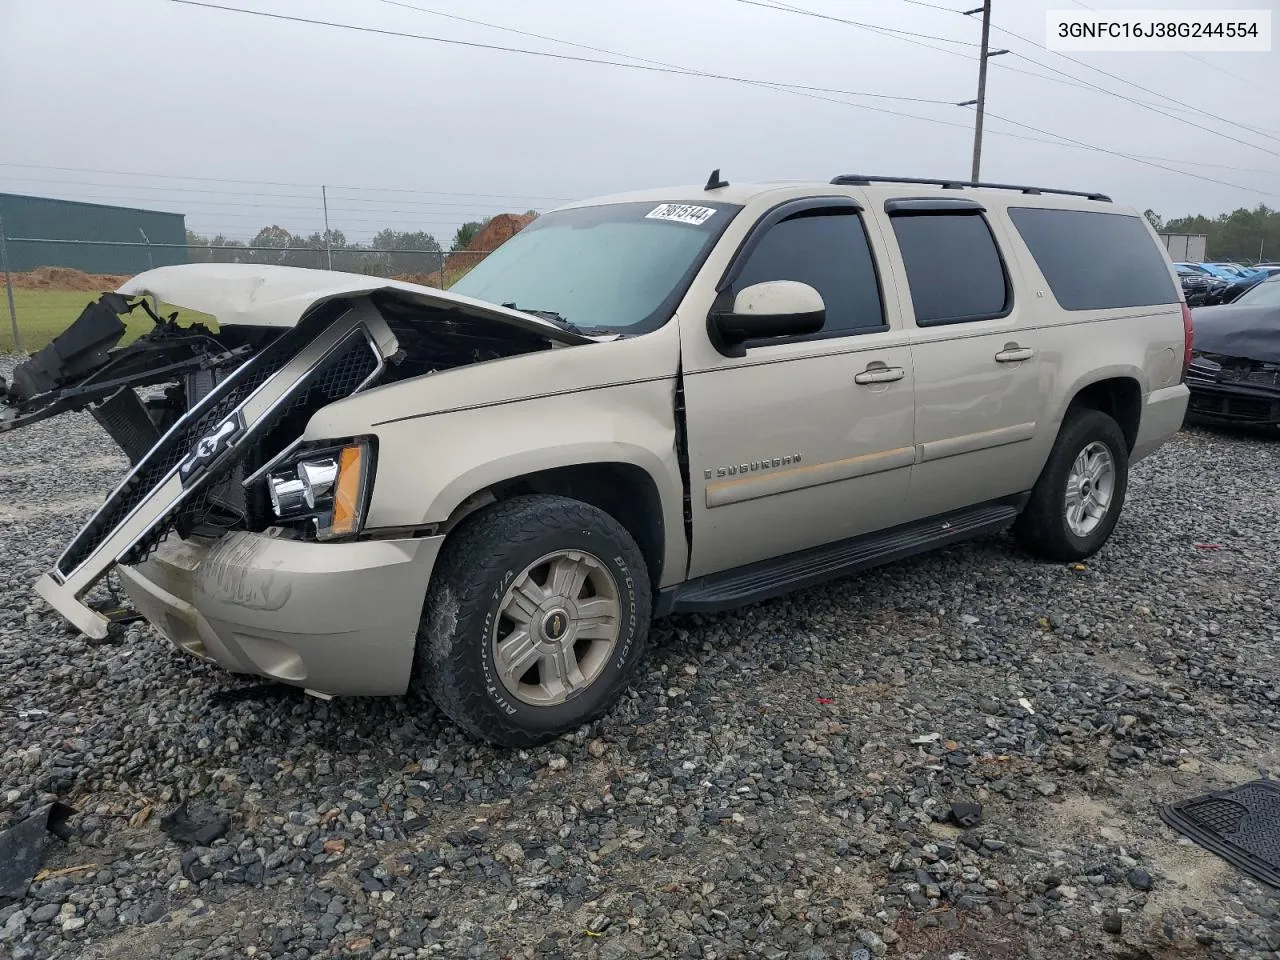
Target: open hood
(250, 305)
(243, 294)
(233, 396)
(1247, 332)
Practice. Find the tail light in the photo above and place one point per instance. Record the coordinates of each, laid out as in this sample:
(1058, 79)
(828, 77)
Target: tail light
(1188, 338)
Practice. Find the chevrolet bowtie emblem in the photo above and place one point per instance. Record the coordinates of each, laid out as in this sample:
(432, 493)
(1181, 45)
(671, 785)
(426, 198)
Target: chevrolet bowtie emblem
(210, 447)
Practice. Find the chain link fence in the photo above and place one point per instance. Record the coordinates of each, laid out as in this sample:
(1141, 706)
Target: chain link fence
(37, 298)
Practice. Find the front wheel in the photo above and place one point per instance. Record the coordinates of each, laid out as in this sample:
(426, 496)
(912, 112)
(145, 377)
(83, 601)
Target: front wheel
(1076, 502)
(535, 620)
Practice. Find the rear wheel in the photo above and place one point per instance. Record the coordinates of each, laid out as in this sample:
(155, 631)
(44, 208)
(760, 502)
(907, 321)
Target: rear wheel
(1076, 502)
(536, 617)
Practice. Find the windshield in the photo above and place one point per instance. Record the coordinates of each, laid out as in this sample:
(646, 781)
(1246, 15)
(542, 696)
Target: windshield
(615, 268)
(1265, 294)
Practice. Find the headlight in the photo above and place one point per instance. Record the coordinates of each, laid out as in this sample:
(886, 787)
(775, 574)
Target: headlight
(325, 486)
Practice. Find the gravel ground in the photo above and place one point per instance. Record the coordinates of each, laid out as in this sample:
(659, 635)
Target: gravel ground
(772, 785)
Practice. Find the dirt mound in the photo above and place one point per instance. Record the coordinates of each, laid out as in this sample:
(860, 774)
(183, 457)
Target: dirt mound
(492, 235)
(496, 232)
(422, 279)
(65, 278)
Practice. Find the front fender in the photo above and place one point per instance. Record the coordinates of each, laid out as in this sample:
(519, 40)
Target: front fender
(427, 466)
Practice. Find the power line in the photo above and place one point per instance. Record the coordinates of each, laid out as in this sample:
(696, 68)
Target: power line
(781, 88)
(649, 68)
(657, 69)
(1119, 79)
(270, 183)
(1207, 63)
(790, 8)
(77, 184)
(1144, 104)
(189, 204)
(883, 31)
(1135, 159)
(856, 23)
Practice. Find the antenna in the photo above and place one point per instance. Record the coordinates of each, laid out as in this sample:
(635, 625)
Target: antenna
(714, 182)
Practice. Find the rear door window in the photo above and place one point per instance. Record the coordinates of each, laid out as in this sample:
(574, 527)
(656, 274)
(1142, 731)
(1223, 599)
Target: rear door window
(953, 267)
(1095, 261)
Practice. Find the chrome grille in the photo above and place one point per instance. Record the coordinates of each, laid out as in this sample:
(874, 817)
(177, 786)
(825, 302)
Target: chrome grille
(338, 370)
(338, 375)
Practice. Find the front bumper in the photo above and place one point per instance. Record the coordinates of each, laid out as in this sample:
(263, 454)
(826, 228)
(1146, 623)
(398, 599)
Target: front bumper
(336, 618)
(1228, 404)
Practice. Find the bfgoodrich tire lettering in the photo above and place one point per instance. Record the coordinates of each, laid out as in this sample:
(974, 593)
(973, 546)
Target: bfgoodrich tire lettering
(1044, 528)
(487, 558)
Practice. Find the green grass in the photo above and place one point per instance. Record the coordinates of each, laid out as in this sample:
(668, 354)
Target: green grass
(43, 314)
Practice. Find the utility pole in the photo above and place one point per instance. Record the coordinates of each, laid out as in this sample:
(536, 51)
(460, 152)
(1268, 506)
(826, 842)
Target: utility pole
(981, 102)
(328, 251)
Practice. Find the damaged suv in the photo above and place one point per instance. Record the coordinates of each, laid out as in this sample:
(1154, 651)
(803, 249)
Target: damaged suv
(676, 400)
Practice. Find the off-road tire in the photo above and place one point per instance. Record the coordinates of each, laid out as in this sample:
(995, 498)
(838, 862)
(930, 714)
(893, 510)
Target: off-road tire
(453, 659)
(1042, 528)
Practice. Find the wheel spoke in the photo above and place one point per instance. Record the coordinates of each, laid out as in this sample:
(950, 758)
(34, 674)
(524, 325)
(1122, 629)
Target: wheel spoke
(1073, 496)
(568, 574)
(1081, 466)
(523, 600)
(561, 673)
(516, 655)
(597, 619)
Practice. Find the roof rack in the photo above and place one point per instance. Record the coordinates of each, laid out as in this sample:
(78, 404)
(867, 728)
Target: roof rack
(859, 180)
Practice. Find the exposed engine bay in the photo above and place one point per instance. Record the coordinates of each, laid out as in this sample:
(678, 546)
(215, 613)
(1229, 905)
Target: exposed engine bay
(140, 393)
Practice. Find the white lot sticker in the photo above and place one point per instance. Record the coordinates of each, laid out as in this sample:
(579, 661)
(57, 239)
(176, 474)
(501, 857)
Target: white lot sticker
(681, 213)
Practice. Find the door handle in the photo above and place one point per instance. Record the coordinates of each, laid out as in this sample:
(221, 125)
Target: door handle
(879, 373)
(1012, 353)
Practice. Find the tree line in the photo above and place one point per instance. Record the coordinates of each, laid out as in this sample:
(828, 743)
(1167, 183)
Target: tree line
(1244, 236)
(388, 253)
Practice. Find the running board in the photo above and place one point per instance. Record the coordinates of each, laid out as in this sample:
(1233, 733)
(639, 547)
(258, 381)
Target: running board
(773, 578)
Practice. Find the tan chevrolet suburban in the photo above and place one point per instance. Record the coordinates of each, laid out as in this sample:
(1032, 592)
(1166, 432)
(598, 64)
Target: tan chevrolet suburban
(673, 400)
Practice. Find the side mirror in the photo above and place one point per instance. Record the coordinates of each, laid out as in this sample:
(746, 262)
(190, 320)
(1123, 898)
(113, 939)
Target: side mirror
(776, 308)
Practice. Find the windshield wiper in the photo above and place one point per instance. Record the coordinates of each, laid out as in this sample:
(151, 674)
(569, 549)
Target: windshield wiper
(551, 315)
(564, 324)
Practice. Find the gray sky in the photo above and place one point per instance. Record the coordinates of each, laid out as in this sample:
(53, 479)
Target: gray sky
(154, 88)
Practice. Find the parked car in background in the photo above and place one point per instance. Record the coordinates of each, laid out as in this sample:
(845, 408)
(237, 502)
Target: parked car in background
(1234, 375)
(1234, 283)
(1270, 269)
(1240, 270)
(1199, 288)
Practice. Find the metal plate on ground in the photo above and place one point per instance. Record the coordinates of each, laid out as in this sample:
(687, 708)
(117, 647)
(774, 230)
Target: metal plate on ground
(1241, 825)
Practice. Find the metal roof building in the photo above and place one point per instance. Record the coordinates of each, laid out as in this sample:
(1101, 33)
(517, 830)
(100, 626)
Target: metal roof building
(93, 237)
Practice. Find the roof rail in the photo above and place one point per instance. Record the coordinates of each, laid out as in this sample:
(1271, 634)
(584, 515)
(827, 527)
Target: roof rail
(859, 180)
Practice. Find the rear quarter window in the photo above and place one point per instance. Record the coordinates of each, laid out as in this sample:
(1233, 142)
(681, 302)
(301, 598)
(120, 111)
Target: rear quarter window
(1095, 261)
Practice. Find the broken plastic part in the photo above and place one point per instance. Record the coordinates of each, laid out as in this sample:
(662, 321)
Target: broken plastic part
(22, 848)
(200, 828)
(966, 815)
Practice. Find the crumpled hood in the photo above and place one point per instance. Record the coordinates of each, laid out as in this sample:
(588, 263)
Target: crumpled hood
(268, 296)
(1229, 330)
